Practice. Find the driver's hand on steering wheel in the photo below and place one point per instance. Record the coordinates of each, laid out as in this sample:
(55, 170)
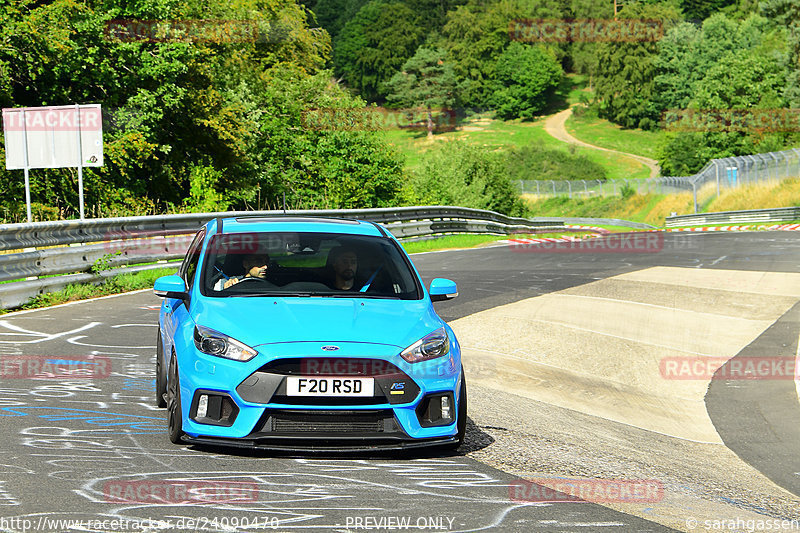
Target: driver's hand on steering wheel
(231, 282)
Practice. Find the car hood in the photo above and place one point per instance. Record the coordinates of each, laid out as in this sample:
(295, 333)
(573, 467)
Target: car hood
(268, 320)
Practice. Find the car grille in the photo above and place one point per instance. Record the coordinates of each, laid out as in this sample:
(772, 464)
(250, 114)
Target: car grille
(280, 422)
(332, 366)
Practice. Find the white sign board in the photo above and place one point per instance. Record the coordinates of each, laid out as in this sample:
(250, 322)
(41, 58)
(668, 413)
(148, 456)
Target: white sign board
(55, 135)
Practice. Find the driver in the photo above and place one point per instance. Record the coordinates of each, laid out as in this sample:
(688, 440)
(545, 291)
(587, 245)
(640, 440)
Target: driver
(255, 266)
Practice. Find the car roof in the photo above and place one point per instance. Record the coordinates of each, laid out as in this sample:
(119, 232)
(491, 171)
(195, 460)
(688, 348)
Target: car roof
(247, 224)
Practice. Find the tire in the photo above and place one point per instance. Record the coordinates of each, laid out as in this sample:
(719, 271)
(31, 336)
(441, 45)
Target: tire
(461, 417)
(161, 375)
(175, 424)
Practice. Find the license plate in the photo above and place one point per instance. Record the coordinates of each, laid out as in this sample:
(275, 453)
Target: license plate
(329, 386)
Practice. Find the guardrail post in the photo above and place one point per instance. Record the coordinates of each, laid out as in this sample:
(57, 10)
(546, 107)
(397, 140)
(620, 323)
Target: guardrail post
(716, 165)
(694, 193)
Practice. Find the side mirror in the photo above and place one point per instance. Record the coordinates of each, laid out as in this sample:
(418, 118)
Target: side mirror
(171, 287)
(443, 289)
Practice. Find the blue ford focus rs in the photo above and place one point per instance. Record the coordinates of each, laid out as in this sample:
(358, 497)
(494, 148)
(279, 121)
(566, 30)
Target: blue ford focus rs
(306, 333)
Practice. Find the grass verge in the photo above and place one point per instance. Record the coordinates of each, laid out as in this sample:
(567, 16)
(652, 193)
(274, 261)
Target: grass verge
(450, 242)
(600, 132)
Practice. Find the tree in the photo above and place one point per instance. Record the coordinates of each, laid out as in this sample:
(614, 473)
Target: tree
(686, 54)
(626, 71)
(474, 36)
(427, 80)
(373, 46)
(696, 10)
(583, 55)
(316, 165)
(525, 77)
(191, 119)
(334, 14)
(744, 81)
(677, 67)
(786, 14)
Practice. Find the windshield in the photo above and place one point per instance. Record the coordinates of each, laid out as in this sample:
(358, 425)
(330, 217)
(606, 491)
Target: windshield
(307, 264)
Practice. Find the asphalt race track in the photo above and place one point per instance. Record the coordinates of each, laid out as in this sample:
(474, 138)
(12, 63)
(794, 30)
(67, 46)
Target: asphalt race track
(95, 450)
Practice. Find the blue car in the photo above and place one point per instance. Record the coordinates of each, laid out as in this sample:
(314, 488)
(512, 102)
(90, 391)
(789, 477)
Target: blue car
(306, 333)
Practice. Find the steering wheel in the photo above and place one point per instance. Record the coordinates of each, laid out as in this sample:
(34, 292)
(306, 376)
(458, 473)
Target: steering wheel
(250, 278)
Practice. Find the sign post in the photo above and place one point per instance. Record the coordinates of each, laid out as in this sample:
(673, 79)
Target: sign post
(53, 137)
(80, 158)
(27, 179)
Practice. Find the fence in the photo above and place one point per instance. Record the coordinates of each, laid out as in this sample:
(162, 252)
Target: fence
(588, 188)
(779, 214)
(719, 174)
(68, 249)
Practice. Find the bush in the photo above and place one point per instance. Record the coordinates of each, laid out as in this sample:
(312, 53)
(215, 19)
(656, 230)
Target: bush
(627, 191)
(461, 174)
(535, 162)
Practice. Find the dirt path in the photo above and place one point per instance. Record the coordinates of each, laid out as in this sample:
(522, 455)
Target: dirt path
(554, 126)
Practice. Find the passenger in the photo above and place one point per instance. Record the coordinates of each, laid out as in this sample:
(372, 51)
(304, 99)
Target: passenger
(344, 262)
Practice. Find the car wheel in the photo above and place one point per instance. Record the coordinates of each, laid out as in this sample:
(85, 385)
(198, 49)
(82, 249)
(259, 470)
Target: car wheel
(461, 417)
(175, 426)
(161, 376)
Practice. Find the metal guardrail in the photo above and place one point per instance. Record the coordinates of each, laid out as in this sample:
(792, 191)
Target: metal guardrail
(68, 249)
(781, 214)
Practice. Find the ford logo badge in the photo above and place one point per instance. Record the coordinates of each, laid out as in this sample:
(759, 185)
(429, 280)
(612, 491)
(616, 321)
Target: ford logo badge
(330, 348)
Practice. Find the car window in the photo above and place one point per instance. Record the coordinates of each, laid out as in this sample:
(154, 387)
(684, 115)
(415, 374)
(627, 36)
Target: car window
(191, 260)
(308, 264)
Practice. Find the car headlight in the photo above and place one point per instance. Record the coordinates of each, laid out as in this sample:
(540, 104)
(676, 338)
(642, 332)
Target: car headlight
(215, 343)
(431, 346)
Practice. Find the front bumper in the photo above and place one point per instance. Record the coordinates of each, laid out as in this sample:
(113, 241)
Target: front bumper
(322, 446)
(265, 417)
